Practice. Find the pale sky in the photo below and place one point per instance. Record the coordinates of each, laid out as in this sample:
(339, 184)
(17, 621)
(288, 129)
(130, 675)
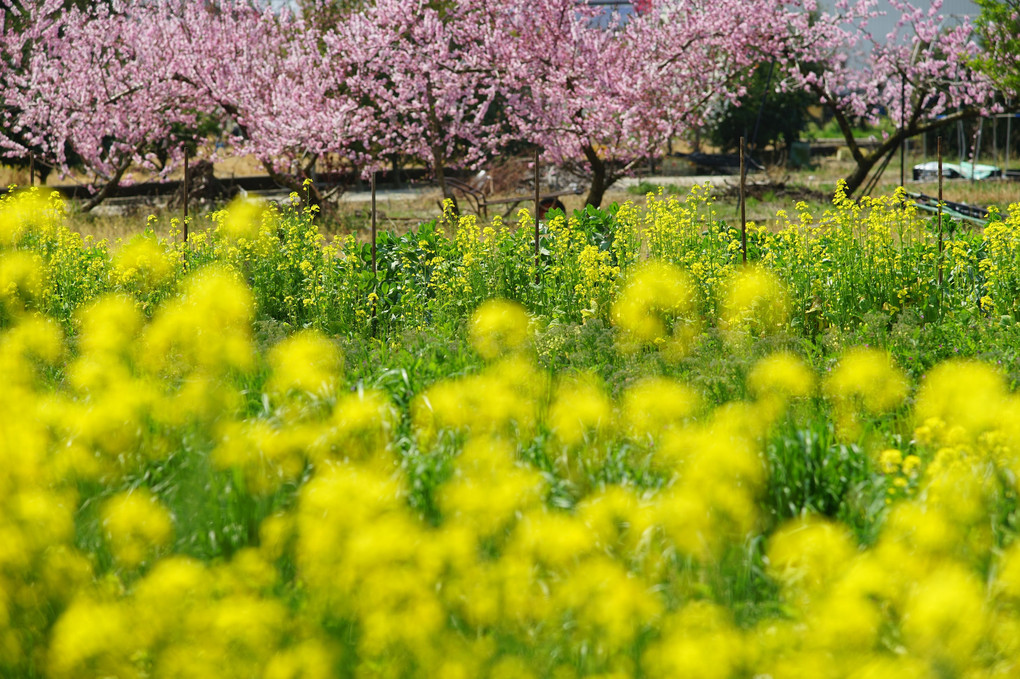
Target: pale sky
(881, 26)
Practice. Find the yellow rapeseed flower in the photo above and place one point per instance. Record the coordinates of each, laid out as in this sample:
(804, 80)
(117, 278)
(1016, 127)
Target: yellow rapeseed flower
(136, 525)
(755, 302)
(657, 307)
(499, 327)
(307, 361)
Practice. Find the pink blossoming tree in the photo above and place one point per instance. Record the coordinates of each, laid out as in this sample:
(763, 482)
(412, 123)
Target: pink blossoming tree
(601, 98)
(91, 87)
(925, 60)
(420, 70)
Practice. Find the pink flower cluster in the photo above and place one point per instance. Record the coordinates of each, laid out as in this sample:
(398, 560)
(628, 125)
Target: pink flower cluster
(128, 81)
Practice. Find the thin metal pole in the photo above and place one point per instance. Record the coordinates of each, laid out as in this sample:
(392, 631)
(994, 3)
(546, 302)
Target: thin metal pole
(743, 216)
(1009, 135)
(374, 270)
(995, 142)
(538, 207)
(903, 126)
(961, 139)
(940, 212)
(977, 151)
(186, 196)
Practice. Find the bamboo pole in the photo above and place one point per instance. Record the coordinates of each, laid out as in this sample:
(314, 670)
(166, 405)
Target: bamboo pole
(1009, 134)
(940, 212)
(374, 269)
(186, 196)
(743, 215)
(903, 126)
(538, 207)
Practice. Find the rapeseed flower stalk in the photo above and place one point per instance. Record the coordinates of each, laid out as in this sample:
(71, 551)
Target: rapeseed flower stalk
(23, 212)
(22, 281)
(701, 641)
(136, 526)
(489, 489)
(580, 412)
(808, 555)
(597, 282)
(780, 377)
(504, 398)
(242, 220)
(142, 265)
(654, 406)
(755, 303)
(657, 307)
(864, 379)
(499, 328)
(306, 362)
(960, 401)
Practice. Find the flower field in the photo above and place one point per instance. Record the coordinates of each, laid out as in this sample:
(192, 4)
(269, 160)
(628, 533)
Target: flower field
(251, 455)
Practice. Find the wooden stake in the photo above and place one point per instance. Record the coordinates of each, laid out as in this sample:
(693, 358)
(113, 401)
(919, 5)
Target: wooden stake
(374, 270)
(538, 207)
(939, 151)
(1009, 133)
(186, 196)
(995, 143)
(743, 216)
(977, 150)
(903, 126)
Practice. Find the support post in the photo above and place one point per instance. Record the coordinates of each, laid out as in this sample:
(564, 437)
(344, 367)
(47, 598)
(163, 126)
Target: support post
(977, 150)
(538, 207)
(187, 181)
(1009, 134)
(743, 215)
(374, 269)
(903, 126)
(995, 143)
(940, 213)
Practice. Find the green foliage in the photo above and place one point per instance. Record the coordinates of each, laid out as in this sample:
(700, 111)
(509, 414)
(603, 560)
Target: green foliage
(777, 116)
(999, 26)
(305, 450)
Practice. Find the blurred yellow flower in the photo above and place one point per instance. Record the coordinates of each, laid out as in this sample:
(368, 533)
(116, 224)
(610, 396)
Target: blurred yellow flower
(499, 327)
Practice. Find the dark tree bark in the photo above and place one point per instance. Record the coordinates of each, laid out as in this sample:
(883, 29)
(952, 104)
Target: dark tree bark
(599, 177)
(866, 160)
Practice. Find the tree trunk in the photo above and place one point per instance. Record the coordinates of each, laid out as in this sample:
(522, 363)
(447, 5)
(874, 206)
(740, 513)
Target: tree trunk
(867, 161)
(107, 188)
(438, 157)
(309, 194)
(860, 173)
(597, 190)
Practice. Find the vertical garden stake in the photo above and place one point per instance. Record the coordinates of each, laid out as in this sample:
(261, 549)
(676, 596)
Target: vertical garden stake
(538, 207)
(375, 270)
(903, 126)
(940, 210)
(373, 225)
(1009, 133)
(995, 143)
(743, 216)
(186, 154)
